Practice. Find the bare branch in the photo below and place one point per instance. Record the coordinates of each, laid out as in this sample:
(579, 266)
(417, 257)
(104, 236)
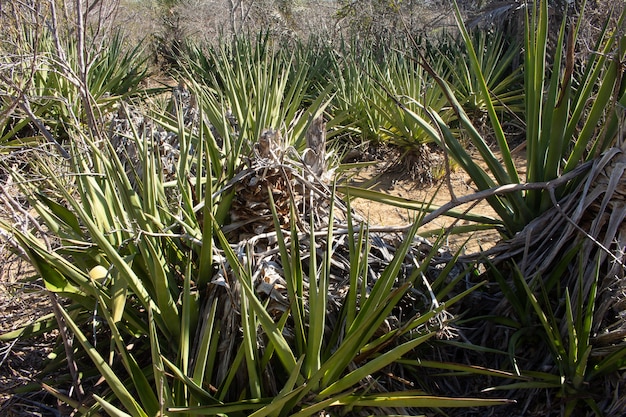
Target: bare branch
(508, 188)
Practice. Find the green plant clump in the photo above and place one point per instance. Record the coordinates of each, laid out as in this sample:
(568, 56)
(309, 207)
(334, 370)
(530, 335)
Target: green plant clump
(203, 265)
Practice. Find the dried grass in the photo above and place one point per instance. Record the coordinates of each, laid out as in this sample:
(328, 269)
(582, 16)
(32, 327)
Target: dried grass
(22, 301)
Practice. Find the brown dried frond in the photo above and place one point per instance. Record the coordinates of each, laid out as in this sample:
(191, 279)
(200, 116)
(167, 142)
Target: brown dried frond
(302, 199)
(591, 224)
(594, 217)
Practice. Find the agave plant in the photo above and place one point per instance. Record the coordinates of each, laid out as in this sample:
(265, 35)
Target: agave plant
(366, 78)
(573, 189)
(46, 68)
(573, 290)
(177, 319)
(262, 90)
(258, 86)
(404, 79)
(552, 151)
(355, 92)
(495, 57)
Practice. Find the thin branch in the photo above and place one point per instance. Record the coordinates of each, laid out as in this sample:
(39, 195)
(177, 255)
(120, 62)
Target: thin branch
(25, 105)
(508, 188)
(68, 346)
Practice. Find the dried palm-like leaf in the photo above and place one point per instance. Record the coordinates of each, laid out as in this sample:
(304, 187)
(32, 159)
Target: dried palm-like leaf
(277, 179)
(591, 220)
(277, 186)
(285, 174)
(315, 154)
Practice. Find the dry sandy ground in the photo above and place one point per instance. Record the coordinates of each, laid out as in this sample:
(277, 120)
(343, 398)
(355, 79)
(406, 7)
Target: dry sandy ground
(438, 194)
(396, 182)
(21, 302)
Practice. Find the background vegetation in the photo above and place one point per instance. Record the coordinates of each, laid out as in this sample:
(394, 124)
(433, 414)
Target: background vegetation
(162, 172)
